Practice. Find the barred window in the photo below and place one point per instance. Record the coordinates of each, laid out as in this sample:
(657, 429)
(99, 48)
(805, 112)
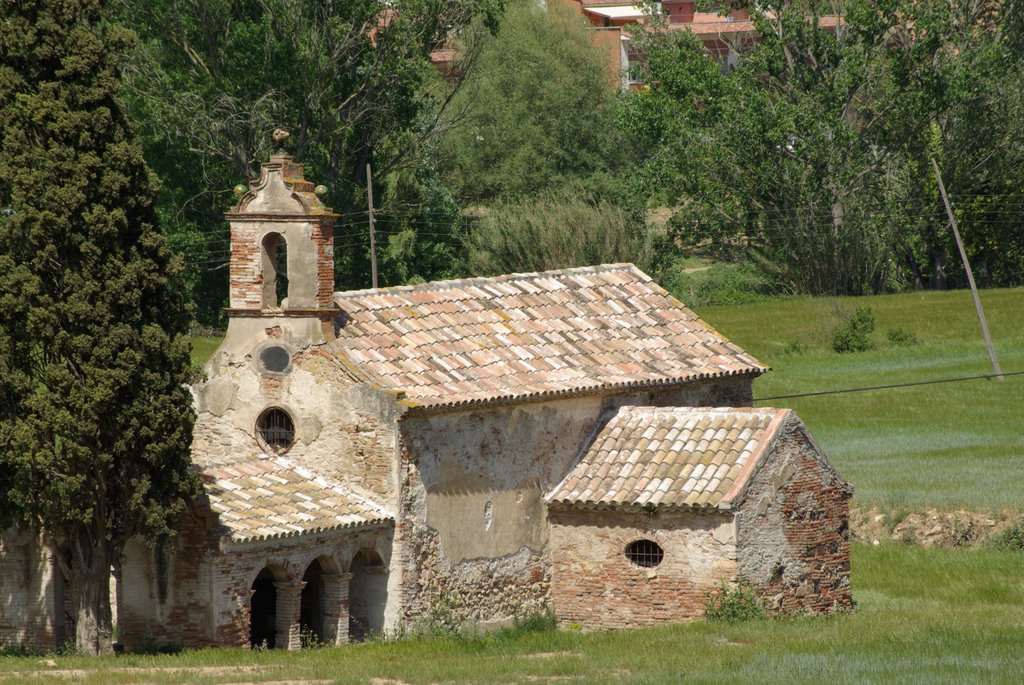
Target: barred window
(646, 553)
(275, 429)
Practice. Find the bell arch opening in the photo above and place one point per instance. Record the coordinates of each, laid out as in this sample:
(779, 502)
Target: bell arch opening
(275, 270)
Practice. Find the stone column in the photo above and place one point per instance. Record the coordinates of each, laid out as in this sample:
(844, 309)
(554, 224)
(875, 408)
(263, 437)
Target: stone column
(336, 607)
(289, 603)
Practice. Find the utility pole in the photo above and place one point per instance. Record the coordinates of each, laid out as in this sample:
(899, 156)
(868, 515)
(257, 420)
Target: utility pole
(373, 232)
(970, 275)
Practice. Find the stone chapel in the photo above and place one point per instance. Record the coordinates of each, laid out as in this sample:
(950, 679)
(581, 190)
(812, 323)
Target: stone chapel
(575, 440)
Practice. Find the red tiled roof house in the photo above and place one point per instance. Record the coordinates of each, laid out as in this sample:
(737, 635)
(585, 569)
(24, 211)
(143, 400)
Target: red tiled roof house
(493, 446)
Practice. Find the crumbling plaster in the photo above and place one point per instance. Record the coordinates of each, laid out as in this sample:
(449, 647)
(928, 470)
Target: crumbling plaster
(206, 598)
(338, 426)
(594, 585)
(31, 598)
(793, 527)
(473, 530)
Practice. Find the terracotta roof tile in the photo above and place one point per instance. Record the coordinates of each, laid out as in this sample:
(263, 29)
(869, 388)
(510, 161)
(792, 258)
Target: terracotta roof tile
(526, 335)
(273, 498)
(671, 456)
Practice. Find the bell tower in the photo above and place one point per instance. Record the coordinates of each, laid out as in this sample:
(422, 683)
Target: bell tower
(282, 261)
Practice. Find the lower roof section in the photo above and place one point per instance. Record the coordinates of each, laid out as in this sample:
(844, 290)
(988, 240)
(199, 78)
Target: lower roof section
(271, 498)
(696, 457)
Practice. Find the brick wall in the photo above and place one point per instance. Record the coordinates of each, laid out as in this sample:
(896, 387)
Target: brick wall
(208, 589)
(31, 610)
(794, 527)
(594, 585)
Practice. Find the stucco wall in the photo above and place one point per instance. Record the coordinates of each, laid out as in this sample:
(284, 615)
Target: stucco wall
(594, 585)
(472, 532)
(31, 604)
(794, 527)
(338, 426)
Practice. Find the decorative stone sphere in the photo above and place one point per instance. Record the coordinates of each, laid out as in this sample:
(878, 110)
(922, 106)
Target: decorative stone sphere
(241, 188)
(320, 191)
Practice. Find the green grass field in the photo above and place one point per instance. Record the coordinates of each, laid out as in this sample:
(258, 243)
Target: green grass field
(923, 616)
(945, 445)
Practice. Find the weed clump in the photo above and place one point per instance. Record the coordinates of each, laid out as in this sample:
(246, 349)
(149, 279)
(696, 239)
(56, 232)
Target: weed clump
(733, 604)
(851, 335)
(1011, 539)
(901, 337)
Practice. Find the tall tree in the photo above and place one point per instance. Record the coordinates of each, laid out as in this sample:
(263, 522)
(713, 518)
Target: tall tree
(538, 110)
(811, 157)
(353, 80)
(96, 420)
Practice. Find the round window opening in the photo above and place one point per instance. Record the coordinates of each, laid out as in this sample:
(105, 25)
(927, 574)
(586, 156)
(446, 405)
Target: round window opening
(275, 358)
(646, 553)
(275, 429)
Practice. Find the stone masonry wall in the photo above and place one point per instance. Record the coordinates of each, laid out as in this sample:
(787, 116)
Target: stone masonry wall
(472, 532)
(594, 585)
(339, 433)
(31, 608)
(794, 528)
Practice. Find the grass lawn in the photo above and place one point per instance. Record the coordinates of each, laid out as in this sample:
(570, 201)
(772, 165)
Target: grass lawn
(926, 616)
(203, 349)
(946, 445)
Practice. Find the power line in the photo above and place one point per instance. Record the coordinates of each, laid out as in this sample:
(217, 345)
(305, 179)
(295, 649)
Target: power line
(819, 393)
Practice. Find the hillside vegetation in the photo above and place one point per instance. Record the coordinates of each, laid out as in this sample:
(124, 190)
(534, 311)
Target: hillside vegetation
(944, 445)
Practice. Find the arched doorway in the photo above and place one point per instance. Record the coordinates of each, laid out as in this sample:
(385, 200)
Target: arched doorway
(311, 611)
(367, 595)
(263, 611)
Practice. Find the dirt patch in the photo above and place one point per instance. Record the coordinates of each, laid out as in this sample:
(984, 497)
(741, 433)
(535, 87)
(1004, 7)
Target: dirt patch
(930, 528)
(550, 655)
(81, 674)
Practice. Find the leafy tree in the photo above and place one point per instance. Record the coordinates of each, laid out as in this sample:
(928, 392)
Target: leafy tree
(538, 110)
(96, 422)
(351, 79)
(812, 156)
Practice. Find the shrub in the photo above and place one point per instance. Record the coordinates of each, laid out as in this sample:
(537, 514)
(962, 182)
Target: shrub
(309, 639)
(795, 348)
(719, 284)
(1011, 539)
(901, 337)
(557, 229)
(733, 604)
(851, 335)
(442, 619)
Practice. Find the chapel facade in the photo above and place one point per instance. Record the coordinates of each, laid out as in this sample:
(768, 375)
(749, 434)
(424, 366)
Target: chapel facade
(575, 440)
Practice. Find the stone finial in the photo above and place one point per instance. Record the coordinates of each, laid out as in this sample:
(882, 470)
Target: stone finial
(279, 136)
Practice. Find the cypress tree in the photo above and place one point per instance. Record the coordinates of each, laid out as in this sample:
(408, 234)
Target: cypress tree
(96, 420)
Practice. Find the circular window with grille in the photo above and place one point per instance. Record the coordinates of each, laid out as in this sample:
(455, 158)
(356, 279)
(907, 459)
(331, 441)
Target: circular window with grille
(275, 430)
(646, 553)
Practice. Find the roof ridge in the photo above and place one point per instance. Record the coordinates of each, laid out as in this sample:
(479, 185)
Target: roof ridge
(504, 278)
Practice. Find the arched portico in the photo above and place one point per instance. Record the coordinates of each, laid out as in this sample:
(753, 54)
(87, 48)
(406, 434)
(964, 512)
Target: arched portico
(322, 603)
(368, 594)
